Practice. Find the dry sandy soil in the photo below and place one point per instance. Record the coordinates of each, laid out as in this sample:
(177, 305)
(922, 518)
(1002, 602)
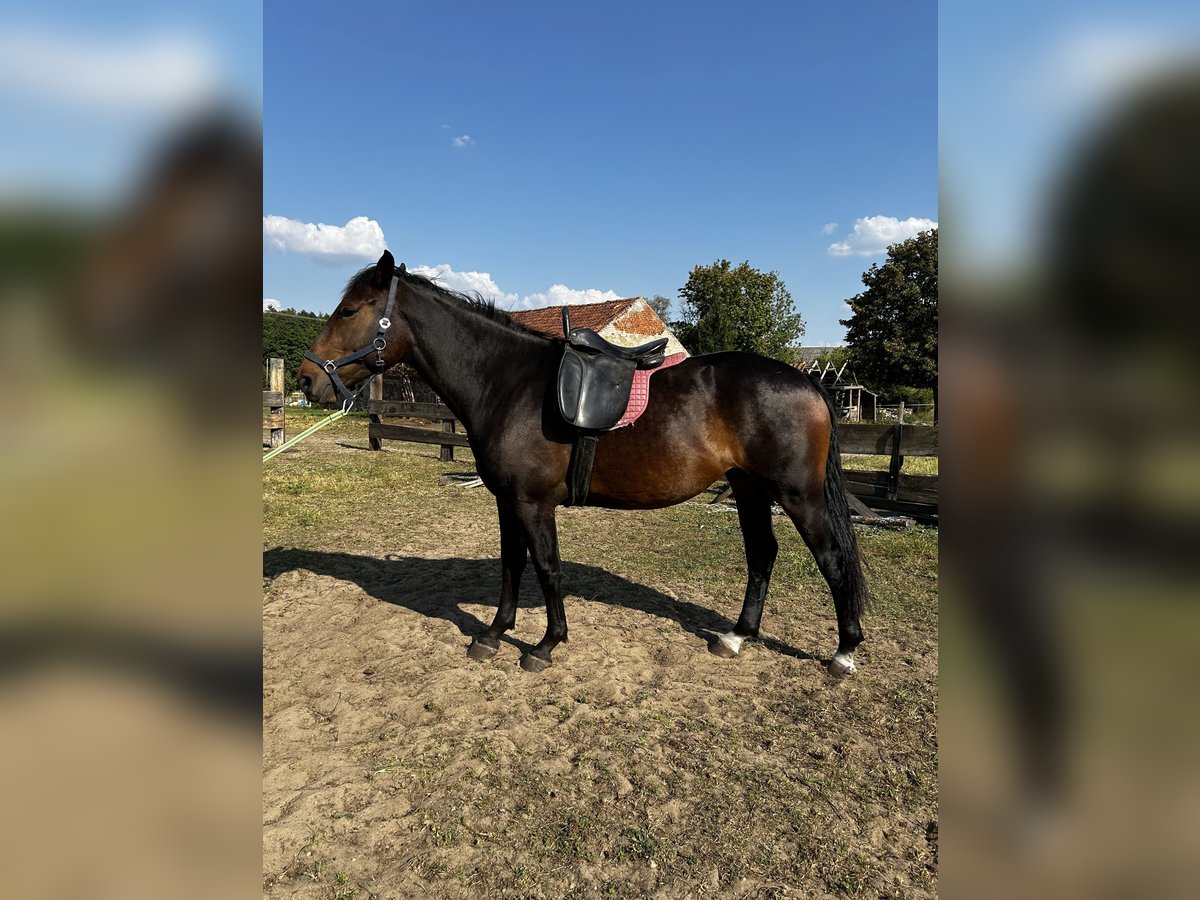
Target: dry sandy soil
(639, 765)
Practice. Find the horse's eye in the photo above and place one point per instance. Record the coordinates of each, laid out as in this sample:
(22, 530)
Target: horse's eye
(349, 312)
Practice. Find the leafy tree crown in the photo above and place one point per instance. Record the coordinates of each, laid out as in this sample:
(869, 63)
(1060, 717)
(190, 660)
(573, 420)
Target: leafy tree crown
(892, 332)
(727, 307)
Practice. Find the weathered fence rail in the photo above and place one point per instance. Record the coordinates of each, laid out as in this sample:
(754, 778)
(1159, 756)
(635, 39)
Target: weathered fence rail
(913, 495)
(273, 418)
(880, 440)
(378, 431)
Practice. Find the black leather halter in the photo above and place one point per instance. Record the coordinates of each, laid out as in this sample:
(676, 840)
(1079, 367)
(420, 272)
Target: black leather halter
(376, 346)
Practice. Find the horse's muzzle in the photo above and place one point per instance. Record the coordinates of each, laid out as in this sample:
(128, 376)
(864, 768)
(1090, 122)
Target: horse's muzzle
(314, 383)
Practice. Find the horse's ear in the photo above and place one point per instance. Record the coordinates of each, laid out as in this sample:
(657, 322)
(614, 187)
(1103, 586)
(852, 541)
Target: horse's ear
(384, 270)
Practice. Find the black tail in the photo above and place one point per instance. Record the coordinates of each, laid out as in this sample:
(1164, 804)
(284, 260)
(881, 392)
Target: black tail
(845, 541)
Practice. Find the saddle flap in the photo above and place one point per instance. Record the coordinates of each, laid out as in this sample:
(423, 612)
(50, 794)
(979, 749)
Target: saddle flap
(593, 390)
(570, 386)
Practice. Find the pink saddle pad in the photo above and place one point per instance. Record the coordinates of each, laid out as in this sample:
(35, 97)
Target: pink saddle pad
(639, 396)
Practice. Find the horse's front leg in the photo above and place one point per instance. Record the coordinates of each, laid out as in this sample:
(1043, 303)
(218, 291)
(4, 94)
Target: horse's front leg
(541, 532)
(514, 553)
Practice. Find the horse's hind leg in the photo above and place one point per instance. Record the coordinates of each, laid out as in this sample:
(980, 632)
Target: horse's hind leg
(754, 515)
(836, 554)
(514, 553)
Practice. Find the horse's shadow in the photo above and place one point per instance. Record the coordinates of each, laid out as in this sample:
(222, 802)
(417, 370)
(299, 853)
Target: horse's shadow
(418, 584)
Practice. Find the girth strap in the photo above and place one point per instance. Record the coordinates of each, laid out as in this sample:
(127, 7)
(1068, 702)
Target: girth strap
(579, 470)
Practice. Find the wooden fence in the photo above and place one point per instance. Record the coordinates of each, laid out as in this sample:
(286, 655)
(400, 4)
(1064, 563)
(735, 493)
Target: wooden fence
(273, 419)
(913, 495)
(378, 431)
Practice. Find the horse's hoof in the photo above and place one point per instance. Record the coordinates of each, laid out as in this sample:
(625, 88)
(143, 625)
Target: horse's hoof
(842, 664)
(716, 648)
(531, 663)
(726, 646)
(481, 650)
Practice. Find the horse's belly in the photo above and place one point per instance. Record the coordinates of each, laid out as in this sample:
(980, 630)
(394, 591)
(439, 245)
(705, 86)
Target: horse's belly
(642, 471)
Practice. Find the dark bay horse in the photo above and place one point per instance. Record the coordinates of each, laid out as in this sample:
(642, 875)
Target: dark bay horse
(761, 424)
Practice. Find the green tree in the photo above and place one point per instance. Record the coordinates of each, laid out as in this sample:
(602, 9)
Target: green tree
(892, 333)
(288, 335)
(738, 308)
(661, 306)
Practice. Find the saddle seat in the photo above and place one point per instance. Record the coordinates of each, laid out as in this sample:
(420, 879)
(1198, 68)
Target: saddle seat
(647, 356)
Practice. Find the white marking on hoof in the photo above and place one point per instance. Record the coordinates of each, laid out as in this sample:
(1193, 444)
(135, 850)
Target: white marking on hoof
(842, 664)
(732, 641)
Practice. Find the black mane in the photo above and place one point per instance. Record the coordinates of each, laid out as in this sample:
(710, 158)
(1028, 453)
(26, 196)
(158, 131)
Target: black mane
(475, 303)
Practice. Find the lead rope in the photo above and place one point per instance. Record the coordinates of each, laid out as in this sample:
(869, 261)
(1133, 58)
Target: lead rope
(312, 429)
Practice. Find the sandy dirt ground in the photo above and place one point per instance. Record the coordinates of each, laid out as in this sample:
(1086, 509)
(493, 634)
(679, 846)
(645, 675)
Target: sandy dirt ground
(638, 765)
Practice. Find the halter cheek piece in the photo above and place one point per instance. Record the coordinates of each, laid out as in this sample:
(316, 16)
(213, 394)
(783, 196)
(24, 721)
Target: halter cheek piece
(376, 346)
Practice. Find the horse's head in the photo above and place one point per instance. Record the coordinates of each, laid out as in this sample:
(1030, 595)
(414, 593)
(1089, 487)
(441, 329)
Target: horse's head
(362, 328)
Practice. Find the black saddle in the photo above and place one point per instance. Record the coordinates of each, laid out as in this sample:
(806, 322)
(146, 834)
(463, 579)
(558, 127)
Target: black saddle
(594, 381)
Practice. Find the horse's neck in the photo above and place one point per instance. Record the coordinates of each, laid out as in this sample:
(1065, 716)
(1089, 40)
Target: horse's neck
(461, 355)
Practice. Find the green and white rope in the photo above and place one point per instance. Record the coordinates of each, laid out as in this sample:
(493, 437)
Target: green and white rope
(312, 429)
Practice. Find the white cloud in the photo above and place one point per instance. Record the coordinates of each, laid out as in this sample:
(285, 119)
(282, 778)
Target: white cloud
(561, 295)
(463, 140)
(359, 240)
(149, 72)
(483, 284)
(872, 235)
(271, 303)
(480, 283)
(829, 228)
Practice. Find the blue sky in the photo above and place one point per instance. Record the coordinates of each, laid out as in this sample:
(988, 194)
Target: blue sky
(603, 148)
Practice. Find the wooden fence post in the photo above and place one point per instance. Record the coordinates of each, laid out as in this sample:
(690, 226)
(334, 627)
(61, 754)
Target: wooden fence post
(447, 454)
(275, 385)
(897, 461)
(374, 419)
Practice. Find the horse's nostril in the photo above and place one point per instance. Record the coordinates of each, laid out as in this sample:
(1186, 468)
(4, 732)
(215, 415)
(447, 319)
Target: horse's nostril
(305, 382)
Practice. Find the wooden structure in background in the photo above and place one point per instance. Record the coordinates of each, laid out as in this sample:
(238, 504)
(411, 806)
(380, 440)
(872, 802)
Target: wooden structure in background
(853, 402)
(912, 495)
(378, 431)
(273, 419)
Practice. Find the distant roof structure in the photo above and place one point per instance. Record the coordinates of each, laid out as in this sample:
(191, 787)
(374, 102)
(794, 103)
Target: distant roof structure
(829, 373)
(627, 323)
(548, 319)
(834, 376)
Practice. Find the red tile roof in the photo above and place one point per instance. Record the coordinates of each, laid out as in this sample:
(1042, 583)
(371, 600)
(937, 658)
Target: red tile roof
(596, 316)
